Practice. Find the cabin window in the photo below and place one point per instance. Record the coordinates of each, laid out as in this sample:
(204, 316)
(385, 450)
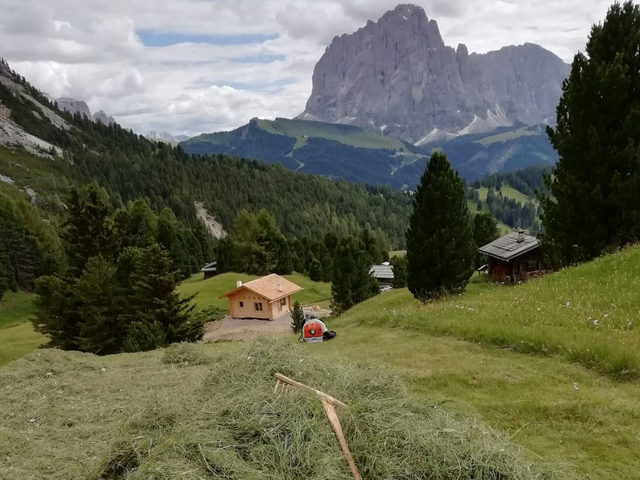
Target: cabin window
(283, 301)
(258, 306)
(241, 304)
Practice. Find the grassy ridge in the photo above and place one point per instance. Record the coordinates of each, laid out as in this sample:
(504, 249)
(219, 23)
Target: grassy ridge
(17, 337)
(589, 314)
(562, 412)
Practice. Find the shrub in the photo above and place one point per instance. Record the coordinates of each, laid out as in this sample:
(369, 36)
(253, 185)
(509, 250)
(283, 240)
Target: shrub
(298, 317)
(144, 336)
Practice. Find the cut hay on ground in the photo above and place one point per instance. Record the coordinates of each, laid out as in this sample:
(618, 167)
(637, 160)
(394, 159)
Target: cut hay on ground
(143, 418)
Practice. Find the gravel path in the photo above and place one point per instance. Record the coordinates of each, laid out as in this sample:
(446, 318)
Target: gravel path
(244, 329)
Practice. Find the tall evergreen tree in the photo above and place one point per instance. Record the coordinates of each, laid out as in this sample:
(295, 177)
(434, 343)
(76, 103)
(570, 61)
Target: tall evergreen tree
(440, 247)
(351, 282)
(485, 230)
(89, 230)
(594, 199)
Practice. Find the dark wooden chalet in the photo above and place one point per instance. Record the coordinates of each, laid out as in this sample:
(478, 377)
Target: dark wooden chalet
(210, 269)
(513, 257)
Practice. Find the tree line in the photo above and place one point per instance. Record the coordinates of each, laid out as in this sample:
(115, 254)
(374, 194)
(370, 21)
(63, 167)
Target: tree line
(117, 290)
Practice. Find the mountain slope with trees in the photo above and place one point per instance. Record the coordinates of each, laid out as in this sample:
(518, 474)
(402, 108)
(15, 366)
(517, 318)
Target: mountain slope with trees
(349, 153)
(129, 166)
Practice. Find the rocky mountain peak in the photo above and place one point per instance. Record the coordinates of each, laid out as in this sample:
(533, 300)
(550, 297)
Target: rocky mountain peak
(74, 106)
(397, 76)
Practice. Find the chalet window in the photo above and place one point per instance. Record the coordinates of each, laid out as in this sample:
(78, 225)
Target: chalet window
(241, 304)
(258, 306)
(283, 301)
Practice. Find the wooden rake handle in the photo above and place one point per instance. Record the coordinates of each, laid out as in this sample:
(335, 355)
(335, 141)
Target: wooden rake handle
(337, 428)
(329, 403)
(333, 401)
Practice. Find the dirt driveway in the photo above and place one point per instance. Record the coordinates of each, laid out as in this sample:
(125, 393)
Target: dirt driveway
(229, 328)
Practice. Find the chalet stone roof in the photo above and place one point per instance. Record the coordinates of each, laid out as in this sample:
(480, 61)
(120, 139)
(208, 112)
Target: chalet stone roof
(381, 272)
(272, 287)
(510, 246)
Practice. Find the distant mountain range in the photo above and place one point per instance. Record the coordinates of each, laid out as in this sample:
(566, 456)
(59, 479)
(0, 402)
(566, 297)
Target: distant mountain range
(397, 77)
(349, 153)
(387, 95)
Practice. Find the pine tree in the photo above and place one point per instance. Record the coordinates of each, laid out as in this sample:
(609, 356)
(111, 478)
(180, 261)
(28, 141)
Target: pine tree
(315, 270)
(440, 248)
(399, 264)
(485, 230)
(89, 230)
(154, 299)
(351, 282)
(297, 317)
(594, 199)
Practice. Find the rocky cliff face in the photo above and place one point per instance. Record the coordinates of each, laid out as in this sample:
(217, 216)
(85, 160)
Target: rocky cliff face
(74, 106)
(398, 77)
(102, 117)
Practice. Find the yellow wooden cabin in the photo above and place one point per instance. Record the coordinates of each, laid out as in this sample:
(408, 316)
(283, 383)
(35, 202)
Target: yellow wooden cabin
(265, 298)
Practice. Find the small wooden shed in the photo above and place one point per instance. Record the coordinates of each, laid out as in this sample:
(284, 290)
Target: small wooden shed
(264, 298)
(382, 273)
(210, 269)
(513, 257)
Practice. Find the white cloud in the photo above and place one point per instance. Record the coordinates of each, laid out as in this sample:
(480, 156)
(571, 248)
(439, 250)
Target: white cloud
(89, 49)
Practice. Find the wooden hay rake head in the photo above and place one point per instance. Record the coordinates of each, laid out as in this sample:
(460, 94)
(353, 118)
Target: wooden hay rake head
(329, 403)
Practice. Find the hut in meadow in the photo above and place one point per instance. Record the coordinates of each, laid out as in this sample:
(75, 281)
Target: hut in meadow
(263, 298)
(513, 257)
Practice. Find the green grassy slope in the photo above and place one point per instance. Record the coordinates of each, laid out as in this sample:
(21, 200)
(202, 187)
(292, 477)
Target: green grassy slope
(589, 314)
(302, 129)
(346, 134)
(17, 337)
(525, 359)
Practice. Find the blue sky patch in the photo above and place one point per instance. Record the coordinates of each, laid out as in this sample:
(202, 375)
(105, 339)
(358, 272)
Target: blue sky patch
(164, 39)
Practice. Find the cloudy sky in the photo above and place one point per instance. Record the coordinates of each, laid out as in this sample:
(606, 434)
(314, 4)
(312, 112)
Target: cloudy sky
(192, 66)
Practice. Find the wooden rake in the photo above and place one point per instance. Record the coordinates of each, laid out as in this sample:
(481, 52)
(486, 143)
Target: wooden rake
(329, 403)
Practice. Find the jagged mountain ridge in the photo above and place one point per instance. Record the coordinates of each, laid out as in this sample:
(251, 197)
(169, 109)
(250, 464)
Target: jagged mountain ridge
(80, 107)
(397, 76)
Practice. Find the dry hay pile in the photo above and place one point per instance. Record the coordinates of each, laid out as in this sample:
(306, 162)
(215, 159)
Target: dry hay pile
(234, 427)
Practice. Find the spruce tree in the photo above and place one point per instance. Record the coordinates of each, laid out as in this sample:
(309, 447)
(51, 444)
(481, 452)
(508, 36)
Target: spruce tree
(485, 230)
(440, 247)
(594, 199)
(351, 282)
(297, 317)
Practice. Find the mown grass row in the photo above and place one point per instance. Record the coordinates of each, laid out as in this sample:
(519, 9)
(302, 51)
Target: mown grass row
(588, 314)
(194, 412)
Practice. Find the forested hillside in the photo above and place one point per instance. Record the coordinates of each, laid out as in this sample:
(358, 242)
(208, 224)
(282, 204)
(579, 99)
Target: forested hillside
(129, 166)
